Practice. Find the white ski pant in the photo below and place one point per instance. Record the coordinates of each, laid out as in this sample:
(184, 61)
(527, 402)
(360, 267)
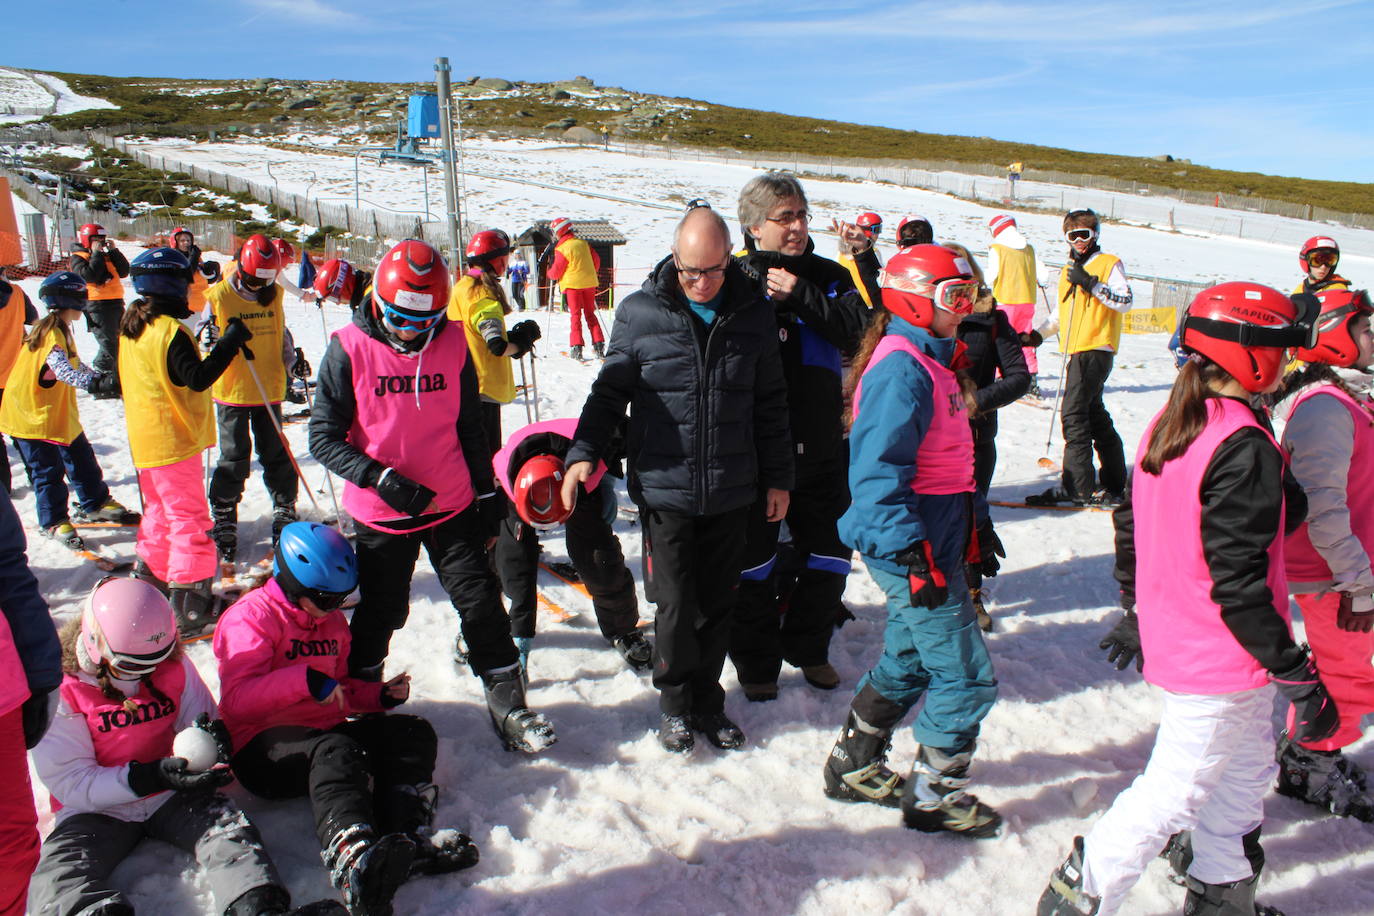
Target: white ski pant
(1212, 765)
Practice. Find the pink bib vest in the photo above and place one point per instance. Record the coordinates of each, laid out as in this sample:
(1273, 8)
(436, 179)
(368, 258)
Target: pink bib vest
(14, 684)
(118, 735)
(567, 428)
(1187, 646)
(407, 418)
(944, 460)
(1304, 563)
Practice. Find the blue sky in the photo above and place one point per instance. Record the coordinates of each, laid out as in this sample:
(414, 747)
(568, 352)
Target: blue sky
(1284, 88)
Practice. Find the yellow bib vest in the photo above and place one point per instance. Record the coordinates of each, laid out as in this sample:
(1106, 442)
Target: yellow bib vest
(471, 305)
(167, 423)
(11, 332)
(852, 266)
(33, 410)
(1015, 281)
(112, 288)
(581, 272)
(235, 387)
(1085, 323)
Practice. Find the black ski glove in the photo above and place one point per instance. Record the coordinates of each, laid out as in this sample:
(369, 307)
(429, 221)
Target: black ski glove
(236, 336)
(928, 588)
(224, 745)
(527, 330)
(210, 270)
(1031, 339)
(170, 773)
(491, 512)
(1314, 712)
(37, 713)
(403, 494)
(989, 549)
(107, 384)
(301, 367)
(1081, 278)
(1123, 642)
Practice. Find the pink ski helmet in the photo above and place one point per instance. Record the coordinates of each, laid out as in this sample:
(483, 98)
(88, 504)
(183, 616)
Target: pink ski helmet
(128, 624)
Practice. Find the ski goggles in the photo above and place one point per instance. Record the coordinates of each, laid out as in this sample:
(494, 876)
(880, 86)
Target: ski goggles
(1323, 257)
(328, 601)
(1080, 235)
(406, 321)
(1300, 334)
(956, 295)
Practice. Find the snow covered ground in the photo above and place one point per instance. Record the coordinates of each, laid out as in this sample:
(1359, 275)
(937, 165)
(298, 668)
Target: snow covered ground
(26, 96)
(605, 821)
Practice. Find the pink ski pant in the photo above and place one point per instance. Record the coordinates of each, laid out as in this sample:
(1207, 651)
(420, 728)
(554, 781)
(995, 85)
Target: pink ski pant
(1345, 662)
(1022, 319)
(174, 537)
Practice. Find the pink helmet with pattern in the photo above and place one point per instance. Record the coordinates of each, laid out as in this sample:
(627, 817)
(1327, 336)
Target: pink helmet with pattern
(128, 624)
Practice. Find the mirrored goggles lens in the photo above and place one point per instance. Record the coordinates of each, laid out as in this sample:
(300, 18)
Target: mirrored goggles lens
(404, 322)
(1080, 235)
(137, 665)
(329, 601)
(957, 296)
(1323, 257)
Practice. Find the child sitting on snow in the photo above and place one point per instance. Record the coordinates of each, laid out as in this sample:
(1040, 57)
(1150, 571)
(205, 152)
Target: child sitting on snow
(301, 725)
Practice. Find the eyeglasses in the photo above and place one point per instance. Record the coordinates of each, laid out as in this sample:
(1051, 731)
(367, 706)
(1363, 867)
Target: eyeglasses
(403, 321)
(1323, 257)
(1081, 235)
(695, 274)
(696, 204)
(790, 217)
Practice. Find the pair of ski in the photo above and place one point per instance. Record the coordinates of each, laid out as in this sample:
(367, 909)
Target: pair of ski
(102, 561)
(1054, 507)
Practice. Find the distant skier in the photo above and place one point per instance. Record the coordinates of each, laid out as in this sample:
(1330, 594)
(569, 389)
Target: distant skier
(911, 473)
(339, 281)
(1015, 273)
(168, 411)
(518, 273)
(1318, 259)
(203, 273)
(1200, 559)
(40, 414)
(302, 726)
(575, 267)
(397, 415)
(871, 225)
(1329, 437)
(479, 304)
(96, 260)
(914, 230)
(127, 691)
(530, 469)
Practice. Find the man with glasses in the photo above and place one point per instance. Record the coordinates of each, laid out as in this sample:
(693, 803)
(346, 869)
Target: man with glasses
(1319, 256)
(819, 318)
(1093, 295)
(694, 355)
(246, 392)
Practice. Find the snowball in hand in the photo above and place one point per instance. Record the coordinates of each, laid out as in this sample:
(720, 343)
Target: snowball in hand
(198, 747)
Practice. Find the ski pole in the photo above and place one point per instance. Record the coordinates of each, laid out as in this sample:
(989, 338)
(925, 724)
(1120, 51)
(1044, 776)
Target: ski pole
(534, 386)
(310, 402)
(1067, 338)
(281, 433)
(525, 387)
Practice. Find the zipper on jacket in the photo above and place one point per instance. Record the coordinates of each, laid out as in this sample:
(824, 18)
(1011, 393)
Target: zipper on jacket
(703, 361)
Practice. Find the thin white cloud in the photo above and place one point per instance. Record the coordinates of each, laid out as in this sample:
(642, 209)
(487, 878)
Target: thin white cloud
(310, 12)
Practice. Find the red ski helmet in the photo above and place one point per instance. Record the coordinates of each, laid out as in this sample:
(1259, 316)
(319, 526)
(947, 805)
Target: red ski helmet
(538, 495)
(1247, 328)
(286, 250)
(412, 284)
(487, 245)
(561, 226)
(1335, 344)
(181, 230)
(870, 223)
(335, 280)
(88, 232)
(921, 278)
(128, 624)
(259, 259)
(1315, 243)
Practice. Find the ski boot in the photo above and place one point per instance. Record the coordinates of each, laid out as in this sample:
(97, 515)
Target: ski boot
(1179, 854)
(368, 871)
(599, 348)
(1056, 496)
(225, 531)
(145, 572)
(1065, 896)
(64, 534)
(636, 649)
(1234, 899)
(282, 516)
(274, 900)
(675, 734)
(113, 511)
(523, 645)
(195, 605)
(719, 729)
(984, 618)
(857, 770)
(1327, 779)
(437, 852)
(822, 676)
(460, 653)
(575, 352)
(1034, 390)
(519, 727)
(935, 799)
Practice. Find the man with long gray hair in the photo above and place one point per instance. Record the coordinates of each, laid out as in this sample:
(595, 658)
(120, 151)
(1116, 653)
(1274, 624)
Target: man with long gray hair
(694, 356)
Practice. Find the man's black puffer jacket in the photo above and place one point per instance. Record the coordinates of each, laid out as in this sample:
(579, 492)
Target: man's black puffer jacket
(708, 405)
(992, 346)
(819, 325)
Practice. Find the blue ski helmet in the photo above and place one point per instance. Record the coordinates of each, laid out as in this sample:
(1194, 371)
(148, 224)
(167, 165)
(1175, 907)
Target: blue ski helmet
(160, 272)
(63, 290)
(316, 562)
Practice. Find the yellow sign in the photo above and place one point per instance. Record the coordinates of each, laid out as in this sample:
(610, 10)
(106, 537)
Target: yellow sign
(1150, 321)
